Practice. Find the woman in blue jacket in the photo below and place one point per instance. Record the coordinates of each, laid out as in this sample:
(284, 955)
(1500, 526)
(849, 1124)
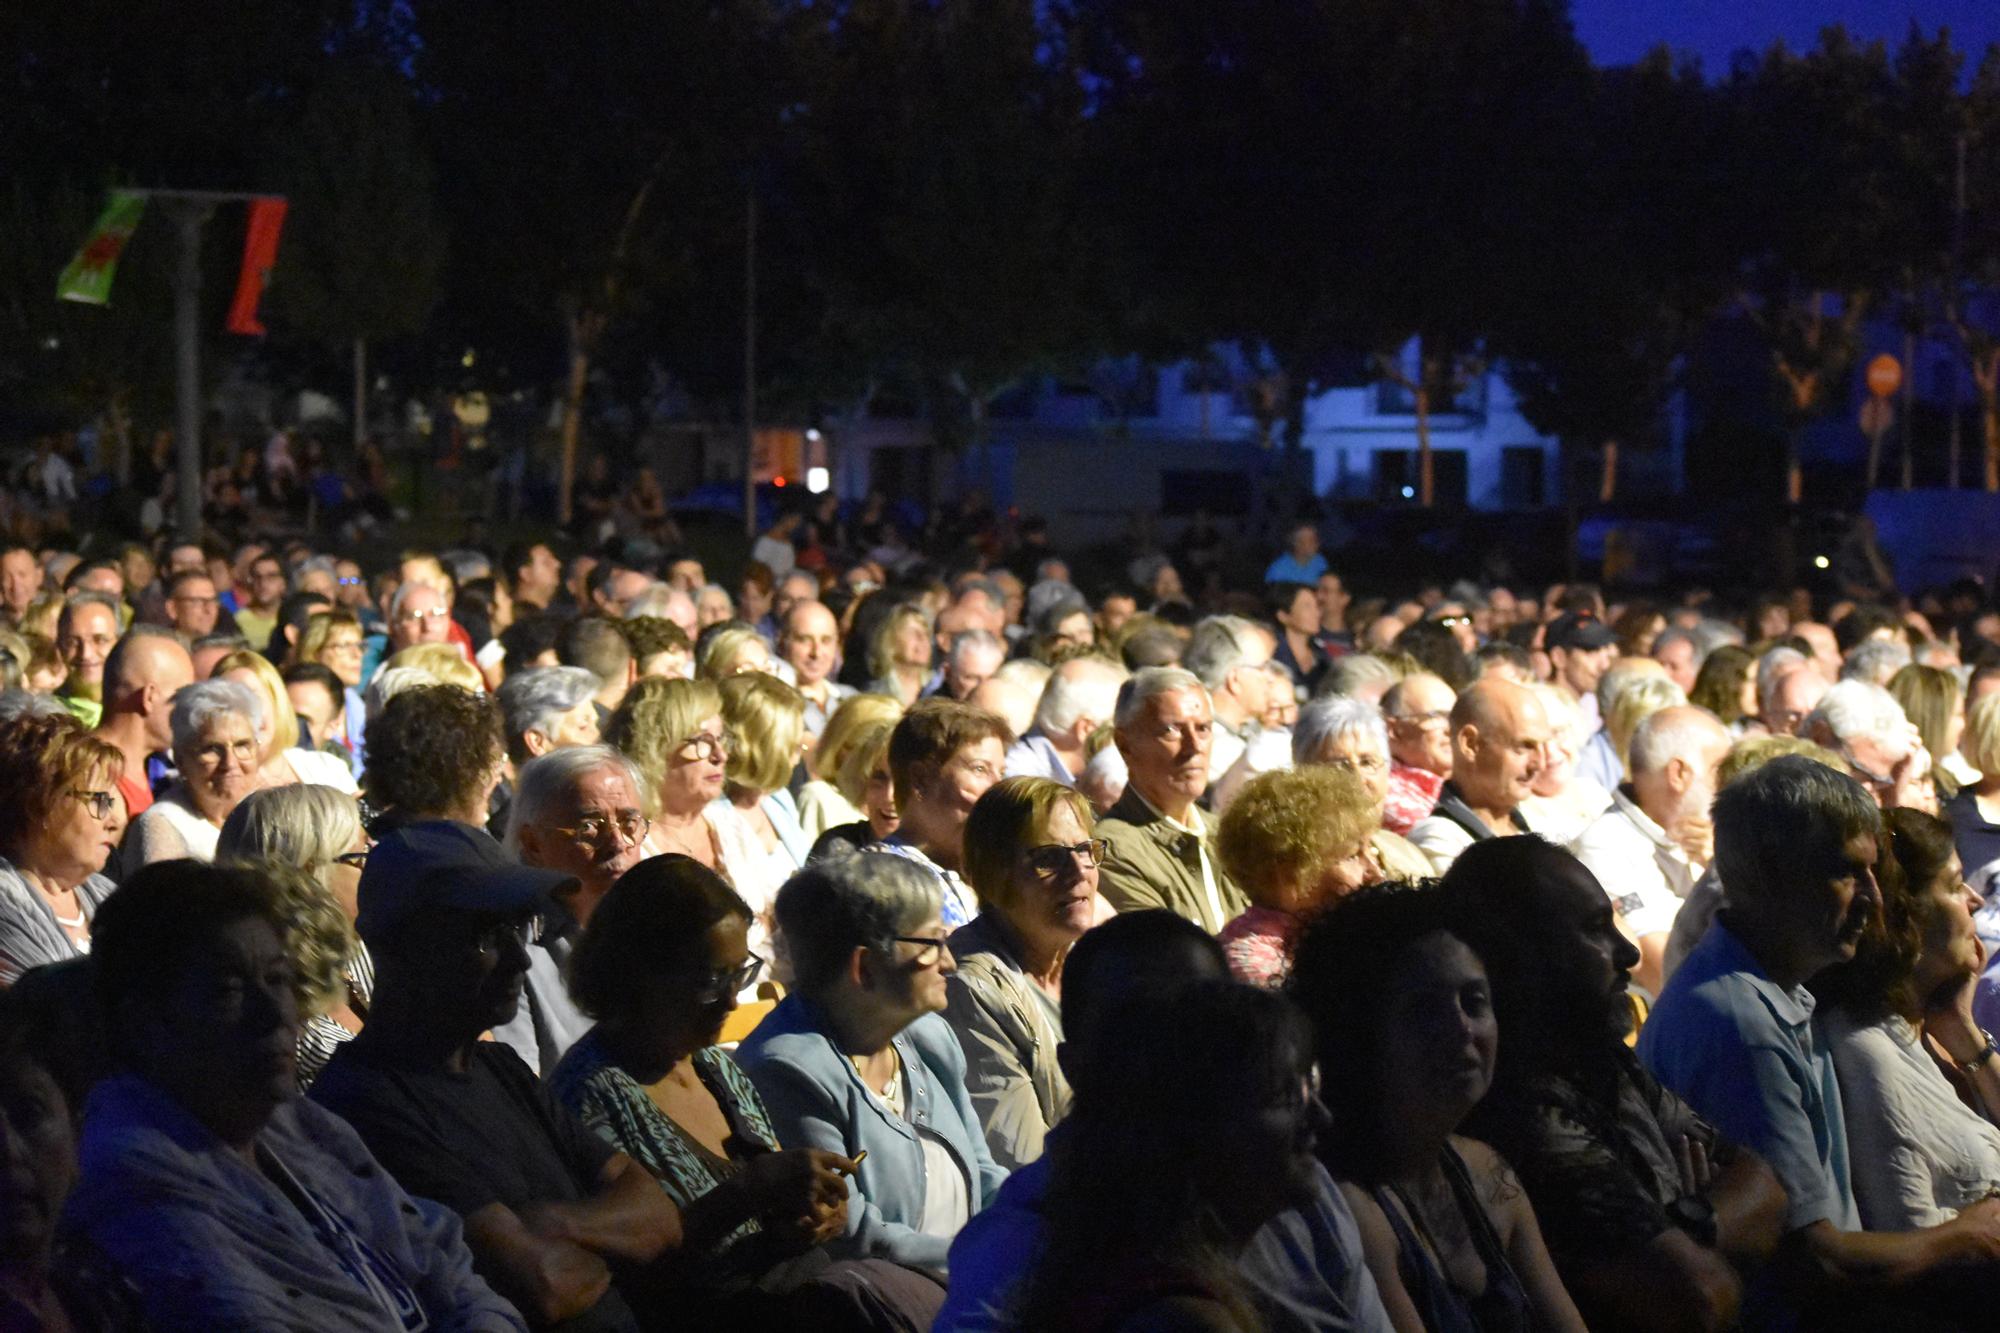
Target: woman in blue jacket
(857, 1060)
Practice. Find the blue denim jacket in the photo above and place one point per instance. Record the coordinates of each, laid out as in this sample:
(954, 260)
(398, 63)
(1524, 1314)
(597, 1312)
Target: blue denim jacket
(213, 1244)
(816, 1100)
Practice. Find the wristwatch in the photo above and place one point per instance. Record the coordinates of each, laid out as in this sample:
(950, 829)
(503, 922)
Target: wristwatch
(1986, 1052)
(1696, 1216)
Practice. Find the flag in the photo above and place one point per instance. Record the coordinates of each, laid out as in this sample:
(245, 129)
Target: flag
(88, 277)
(260, 254)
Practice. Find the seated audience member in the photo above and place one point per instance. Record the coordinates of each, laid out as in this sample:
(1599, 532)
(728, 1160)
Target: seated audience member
(1796, 846)
(1349, 733)
(660, 968)
(1304, 1269)
(823, 803)
(969, 662)
(865, 780)
(319, 700)
(87, 627)
(900, 654)
(215, 748)
(1499, 736)
(315, 834)
(944, 756)
(659, 646)
(857, 1059)
(1031, 858)
(562, 1225)
(1785, 698)
(435, 752)
(731, 649)
(1975, 811)
(1157, 839)
(283, 760)
(1655, 842)
(672, 730)
(1564, 801)
(809, 642)
(60, 820)
(1601, 757)
(1864, 725)
(1400, 1005)
(1080, 697)
(140, 677)
(1934, 701)
(1635, 701)
(1227, 655)
(1195, 1125)
(546, 708)
(1641, 1233)
(755, 819)
(1679, 652)
(1295, 841)
(1417, 711)
(227, 1201)
(1919, 1154)
(1727, 687)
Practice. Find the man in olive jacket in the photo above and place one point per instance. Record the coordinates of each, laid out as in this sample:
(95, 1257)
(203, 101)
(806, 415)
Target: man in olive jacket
(1159, 854)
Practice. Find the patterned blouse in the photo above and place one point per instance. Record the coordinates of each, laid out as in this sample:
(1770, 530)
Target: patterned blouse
(1258, 945)
(614, 1104)
(1413, 794)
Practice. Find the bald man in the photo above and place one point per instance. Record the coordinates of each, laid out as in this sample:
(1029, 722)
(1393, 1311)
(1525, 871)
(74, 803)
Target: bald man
(1014, 704)
(809, 639)
(1499, 742)
(1417, 710)
(142, 673)
(1795, 694)
(1655, 842)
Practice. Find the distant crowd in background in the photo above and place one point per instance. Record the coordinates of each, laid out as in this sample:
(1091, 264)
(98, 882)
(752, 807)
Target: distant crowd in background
(912, 930)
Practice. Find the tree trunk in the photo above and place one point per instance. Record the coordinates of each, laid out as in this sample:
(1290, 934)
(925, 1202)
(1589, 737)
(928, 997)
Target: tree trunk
(572, 418)
(1607, 478)
(360, 393)
(1426, 470)
(1989, 420)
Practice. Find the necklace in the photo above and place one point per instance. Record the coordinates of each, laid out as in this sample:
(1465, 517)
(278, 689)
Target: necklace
(67, 922)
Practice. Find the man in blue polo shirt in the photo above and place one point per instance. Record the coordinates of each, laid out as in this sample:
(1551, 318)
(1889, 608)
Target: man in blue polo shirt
(1302, 563)
(1795, 842)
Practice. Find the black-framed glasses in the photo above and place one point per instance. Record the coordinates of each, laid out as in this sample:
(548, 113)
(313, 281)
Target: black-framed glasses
(1051, 859)
(99, 803)
(711, 987)
(630, 825)
(352, 860)
(929, 947)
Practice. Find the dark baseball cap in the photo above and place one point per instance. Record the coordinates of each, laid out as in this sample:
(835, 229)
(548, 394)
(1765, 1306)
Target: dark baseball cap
(441, 863)
(1578, 629)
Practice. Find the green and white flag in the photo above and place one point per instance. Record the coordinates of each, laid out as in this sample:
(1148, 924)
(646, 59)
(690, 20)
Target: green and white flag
(88, 277)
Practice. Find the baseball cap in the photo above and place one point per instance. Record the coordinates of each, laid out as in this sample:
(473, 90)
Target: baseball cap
(1578, 629)
(441, 863)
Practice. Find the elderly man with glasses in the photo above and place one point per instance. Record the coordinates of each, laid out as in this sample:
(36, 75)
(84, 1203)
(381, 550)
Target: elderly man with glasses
(1417, 711)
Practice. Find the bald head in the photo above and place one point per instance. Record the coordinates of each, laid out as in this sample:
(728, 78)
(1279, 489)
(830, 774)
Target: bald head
(140, 677)
(1675, 756)
(1012, 703)
(1418, 712)
(1796, 694)
(1499, 738)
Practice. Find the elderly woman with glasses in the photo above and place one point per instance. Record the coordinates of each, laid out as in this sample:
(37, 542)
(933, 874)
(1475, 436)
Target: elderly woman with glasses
(672, 730)
(1348, 733)
(60, 817)
(214, 724)
(308, 839)
(1030, 857)
(659, 968)
(858, 1061)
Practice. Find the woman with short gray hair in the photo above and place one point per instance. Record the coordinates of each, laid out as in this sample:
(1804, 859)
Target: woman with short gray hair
(858, 1060)
(1349, 733)
(214, 725)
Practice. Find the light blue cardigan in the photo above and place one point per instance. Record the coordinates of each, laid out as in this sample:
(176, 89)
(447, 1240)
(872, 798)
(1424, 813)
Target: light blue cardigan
(816, 1100)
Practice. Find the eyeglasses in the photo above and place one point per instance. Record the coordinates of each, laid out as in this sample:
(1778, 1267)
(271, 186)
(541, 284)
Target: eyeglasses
(1051, 859)
(929, 947)
(1454, 620)
(1367, 763)
(1424, 719)
(419, 617)
(713, 986)
(706, 745)
(349, 646)
(350, 582)
(630, 825)
(99, 803)
(352, 860)
(525, 932)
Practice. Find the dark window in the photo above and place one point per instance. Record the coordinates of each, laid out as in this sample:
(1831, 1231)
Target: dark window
(1182, 491)
(1396, 474)
(1521, 476)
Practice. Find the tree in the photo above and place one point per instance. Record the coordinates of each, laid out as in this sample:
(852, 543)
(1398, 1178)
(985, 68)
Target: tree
(363, 254)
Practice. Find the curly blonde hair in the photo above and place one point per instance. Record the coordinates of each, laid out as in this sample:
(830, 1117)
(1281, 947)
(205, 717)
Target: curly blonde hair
(659, 716)
(1284, 829)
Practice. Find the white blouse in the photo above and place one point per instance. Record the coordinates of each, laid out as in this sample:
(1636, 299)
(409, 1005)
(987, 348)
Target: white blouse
(1916, 1152)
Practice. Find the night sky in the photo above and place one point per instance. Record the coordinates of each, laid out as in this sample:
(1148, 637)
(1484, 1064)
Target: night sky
(1619, 31)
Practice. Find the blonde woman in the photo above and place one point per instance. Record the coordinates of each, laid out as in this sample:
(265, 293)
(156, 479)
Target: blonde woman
(309, 839)
(672, 729)
(823, 804)
(755, 819)
(1294, 840)
(900, 654)
(731, 651)
(1934, 701)
(444, 664)
(281, 759)
(866, 783)
(1633, 704)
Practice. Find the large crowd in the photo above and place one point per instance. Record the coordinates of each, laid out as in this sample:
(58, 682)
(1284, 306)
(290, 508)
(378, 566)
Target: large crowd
(909, 936)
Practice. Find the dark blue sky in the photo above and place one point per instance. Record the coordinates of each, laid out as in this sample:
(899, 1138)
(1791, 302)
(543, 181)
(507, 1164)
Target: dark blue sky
(1619, 31)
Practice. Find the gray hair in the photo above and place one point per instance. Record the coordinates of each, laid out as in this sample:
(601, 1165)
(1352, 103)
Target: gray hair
(1219, 646)
(465, 565)
(303, 825)
(316, 564)
(89, 597)
(1084, 687)
(1045, 596)
(1675, 732)
(656, 601)
(1776, 662)
(1356, 671)
(1710, 634)
(1333, 717)
(402, 595)
(1674, 634)
(532, 700)
(839, 904)
(1135, 693)
(1856, 710)
(967, 642)
(26, 703)
(1874, 661)
(199, 706)
(1772, 822)
(547, 778)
